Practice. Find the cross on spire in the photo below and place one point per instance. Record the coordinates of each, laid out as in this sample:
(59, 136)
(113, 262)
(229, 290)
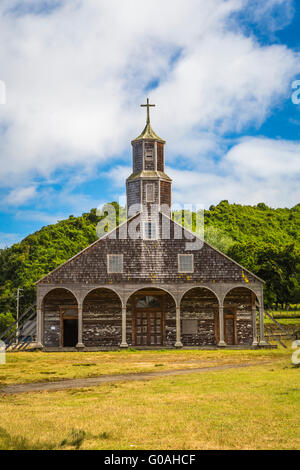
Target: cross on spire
(148, 109)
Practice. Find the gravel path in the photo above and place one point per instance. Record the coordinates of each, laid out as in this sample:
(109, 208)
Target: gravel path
(104, 379)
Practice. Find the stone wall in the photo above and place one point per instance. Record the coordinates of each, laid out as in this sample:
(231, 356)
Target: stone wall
(199, 308)
(102, 319)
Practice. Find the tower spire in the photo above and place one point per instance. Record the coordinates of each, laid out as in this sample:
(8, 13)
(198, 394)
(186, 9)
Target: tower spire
(148, 109)
(148, 133)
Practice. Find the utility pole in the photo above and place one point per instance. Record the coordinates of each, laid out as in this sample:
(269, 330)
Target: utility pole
(18, 309)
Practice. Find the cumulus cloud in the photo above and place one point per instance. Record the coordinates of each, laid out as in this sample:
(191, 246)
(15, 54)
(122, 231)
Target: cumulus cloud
(255, 170)
(77, 70)
(20, 196)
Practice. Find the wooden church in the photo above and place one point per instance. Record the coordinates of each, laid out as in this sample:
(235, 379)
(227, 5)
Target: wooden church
(149, 283)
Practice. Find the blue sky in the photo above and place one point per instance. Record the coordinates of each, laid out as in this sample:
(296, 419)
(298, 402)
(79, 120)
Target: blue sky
(220, 73)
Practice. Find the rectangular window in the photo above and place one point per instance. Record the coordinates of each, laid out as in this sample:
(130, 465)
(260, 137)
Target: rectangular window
(150, 231)
(186, 263)
(149, 192)
(114, 264)
(149, 151)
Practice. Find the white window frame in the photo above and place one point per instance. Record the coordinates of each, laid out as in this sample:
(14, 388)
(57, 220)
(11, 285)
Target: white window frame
(108, 263)
(179, 264)
(146, 231)
(148, 186)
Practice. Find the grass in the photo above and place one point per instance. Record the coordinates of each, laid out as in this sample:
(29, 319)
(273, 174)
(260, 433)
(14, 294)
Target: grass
(285, 313)
(26, 367)
(252, 408)
(286, 318)
(284, 321)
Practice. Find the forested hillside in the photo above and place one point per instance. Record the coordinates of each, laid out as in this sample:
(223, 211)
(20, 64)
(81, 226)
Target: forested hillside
(262, 239)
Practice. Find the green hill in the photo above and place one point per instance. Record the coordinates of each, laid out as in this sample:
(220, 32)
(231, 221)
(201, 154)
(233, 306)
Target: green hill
(263, 239)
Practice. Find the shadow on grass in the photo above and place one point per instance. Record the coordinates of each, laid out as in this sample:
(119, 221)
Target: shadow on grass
(9, 442)
(74, 440)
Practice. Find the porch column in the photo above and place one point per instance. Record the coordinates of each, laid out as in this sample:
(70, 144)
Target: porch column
(124, 337)
(255, 342)
(80, 344)
(262, 341)
(178, 343)
(39, 328)
(221, 326)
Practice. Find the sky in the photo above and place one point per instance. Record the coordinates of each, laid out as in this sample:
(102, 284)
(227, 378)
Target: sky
(73, 74)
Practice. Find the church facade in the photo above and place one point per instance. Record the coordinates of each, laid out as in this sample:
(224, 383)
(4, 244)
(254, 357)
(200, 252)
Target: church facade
(149, 283)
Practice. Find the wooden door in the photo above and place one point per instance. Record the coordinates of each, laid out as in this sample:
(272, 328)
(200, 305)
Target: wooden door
(156, 327)
(148, 319)
(148, 328)
(68, 326)
(230, 326)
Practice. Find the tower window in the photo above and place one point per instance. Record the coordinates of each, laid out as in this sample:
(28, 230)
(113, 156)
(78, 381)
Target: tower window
(186, 263)
(114, 264)
(149, 151)
(149, 192)
(150, 231)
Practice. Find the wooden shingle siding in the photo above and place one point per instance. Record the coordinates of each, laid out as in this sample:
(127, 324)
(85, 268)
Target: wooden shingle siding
(142, 258)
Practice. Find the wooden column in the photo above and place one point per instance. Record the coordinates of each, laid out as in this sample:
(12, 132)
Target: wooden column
(221, 326)
(39, 328)
(262, 340)
(178, 343)
(124, 336)
(254, 326)
(80, 344)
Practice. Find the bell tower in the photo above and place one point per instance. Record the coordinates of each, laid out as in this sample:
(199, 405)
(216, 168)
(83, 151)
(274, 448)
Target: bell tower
(148, 187)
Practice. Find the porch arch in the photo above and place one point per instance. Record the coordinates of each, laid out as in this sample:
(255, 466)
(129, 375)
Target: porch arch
(59, 320)
(102, 318)
(241, 304)
(150, 288)
(200, 308)
(243, 286)
(109, 288)
(151, 317)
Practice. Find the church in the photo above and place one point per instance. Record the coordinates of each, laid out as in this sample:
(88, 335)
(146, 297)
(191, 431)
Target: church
(149, 283)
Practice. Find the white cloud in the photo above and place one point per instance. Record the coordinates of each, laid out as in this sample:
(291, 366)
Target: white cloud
(255, 170)
(76, 75)
(118, 175)
(20, 196)
(265, 158)
(75, 78)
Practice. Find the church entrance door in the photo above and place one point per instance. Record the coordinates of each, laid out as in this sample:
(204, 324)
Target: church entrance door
(68, 326)
(148, 321)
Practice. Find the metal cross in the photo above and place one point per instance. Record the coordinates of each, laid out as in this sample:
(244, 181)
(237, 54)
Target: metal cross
(148, 111)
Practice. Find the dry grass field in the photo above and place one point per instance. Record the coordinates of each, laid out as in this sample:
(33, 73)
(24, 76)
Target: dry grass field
(251, 408)
(26, 367)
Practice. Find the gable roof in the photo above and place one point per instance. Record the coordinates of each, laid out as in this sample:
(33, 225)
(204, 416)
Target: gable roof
(213, 248)
(88, 247)
(172, 222)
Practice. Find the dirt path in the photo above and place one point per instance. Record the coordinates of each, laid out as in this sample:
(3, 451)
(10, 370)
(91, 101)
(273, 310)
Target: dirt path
(104, 379)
